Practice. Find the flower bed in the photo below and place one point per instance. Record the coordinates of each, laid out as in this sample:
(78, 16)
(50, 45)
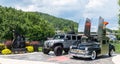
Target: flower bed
(30, 49)
(6, 51)
(2, 46)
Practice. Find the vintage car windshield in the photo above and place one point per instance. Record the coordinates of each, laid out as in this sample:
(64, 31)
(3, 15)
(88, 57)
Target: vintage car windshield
(84, 40)
(89, 44)
(84, 45)
(76, 43)
(59, 37)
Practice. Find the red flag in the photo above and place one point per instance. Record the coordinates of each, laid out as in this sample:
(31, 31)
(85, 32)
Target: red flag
(105, 23)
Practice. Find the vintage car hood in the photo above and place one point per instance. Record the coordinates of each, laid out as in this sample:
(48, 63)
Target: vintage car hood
(88, 44)
(82, 46)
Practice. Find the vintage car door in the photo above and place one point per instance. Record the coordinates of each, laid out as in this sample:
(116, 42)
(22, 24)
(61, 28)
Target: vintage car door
(104, 46)
(104, 41)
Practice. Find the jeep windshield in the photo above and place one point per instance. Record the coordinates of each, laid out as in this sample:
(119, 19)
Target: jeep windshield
(59, 37)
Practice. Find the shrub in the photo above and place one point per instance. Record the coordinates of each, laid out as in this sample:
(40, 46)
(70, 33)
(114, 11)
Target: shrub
(30, 48)
(40, 49)
(6, 51)
(27, 43)
(2, 46)
(35, 45)
(117, 47)
(8, 44)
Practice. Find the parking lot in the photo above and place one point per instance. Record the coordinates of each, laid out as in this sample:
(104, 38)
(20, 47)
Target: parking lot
(64, 59)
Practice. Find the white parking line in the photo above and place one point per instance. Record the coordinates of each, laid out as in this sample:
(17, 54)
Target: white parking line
(14, 61)
(116, 59)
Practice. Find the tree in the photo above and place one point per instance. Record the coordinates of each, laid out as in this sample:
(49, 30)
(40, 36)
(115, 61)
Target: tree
(29, 24)
(33, 25)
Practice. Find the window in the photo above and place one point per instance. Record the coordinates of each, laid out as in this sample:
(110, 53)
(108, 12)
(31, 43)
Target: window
(104, 42)
(68, 37)
(59, 37)
(73, 37)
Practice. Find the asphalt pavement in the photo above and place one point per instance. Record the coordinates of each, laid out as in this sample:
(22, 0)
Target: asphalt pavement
(40, 58)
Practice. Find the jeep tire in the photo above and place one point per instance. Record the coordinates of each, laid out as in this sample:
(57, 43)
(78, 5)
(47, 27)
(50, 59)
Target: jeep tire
(58, 50)
(45, 51)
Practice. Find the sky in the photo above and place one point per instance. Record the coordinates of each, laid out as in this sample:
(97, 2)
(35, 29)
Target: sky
(76, 10)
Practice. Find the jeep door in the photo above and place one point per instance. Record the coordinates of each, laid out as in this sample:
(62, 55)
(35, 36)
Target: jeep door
(74, 39)
(67, 42)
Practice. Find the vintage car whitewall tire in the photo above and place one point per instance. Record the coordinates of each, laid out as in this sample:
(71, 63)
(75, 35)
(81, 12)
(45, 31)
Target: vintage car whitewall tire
(93, 55)
(111, 52)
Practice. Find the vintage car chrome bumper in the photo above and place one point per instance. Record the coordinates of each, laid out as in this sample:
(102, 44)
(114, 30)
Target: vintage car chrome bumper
(79, 53)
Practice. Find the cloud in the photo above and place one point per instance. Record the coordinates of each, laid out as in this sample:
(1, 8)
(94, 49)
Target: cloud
(53, 7)
(84, 8)
(80, 8)
(95, 3)
(104, 8)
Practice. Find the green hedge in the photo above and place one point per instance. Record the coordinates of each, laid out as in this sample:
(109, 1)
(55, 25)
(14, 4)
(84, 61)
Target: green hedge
(2, 46)
(117, 47)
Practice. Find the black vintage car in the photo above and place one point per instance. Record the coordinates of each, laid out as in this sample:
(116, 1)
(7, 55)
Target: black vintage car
(90, 50)
(92, 45)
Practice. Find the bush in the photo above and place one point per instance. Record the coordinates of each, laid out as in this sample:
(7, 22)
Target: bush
(117, 47)
(6, 51)
(35, 45)
(2, 46)
(8, 44)
(40, 49)
(27, 43)
(30, 48)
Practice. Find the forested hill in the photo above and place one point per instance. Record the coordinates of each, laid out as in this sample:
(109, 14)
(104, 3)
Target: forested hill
(33, 25)
(60, 23)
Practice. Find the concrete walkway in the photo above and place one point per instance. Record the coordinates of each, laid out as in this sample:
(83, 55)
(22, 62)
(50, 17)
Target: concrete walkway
(116, 59)
(14, 61)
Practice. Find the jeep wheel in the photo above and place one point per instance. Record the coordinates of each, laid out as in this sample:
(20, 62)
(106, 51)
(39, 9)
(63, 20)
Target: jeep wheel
(111, 52)
(58, 50)
(94, 55)
(45, 51)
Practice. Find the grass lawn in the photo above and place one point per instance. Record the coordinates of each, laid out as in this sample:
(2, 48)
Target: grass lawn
(40, 49)
(117, 47)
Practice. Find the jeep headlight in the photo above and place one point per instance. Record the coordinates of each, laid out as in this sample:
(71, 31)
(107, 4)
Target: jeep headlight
(51, 43)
